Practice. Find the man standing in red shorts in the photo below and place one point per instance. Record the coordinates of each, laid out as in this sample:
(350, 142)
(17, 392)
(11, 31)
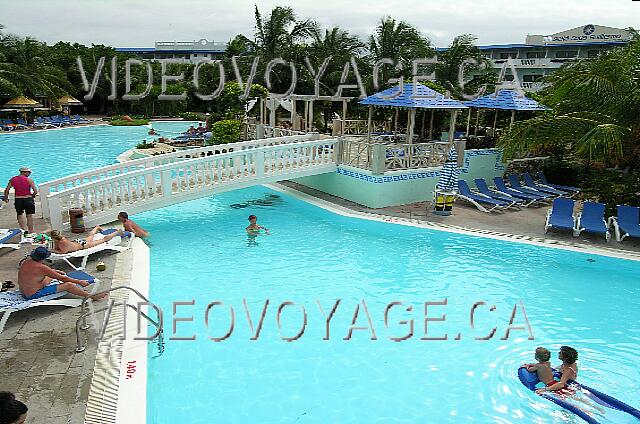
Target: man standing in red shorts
(25, 191)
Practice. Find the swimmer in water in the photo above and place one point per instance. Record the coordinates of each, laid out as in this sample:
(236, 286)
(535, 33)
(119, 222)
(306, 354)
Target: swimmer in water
(254, 229)
(152, 132)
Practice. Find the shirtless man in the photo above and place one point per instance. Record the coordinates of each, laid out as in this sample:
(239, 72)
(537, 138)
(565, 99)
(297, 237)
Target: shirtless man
(131, 226)
(64, 245)
(34, 278)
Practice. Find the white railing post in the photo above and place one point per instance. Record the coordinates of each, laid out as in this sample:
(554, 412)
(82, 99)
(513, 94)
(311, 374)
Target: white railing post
(166, 183)
(259, 161)
(55, 209)
(44, 201)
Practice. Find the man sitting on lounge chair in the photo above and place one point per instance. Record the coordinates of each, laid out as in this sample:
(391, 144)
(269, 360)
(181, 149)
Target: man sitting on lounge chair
(36, 279)
(62, 244)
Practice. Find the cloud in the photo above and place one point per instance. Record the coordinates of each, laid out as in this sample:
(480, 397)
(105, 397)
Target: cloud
(129, 23)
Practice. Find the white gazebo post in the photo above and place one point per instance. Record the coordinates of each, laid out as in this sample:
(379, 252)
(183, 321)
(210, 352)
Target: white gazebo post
(306, 115)
(431, 126)
(513, 117)
(395, 125)
(369, 124)
(293, 112)
(475, 129)
(468, 122)
(411, 125)
(452, 125)
(272, 112)
(311, 116)
(344, 116)
(261, 111)
(495, 121)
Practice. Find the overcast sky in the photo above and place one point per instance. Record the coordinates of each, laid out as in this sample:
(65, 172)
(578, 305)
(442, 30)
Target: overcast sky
(140, 23)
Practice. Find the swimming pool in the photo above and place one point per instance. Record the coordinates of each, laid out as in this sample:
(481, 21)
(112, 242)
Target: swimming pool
(59, 152)
(201, 252)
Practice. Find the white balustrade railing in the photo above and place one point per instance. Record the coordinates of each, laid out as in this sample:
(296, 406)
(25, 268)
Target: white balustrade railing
(93, 175)
(419, 155)
(380, 157)
(170, 183)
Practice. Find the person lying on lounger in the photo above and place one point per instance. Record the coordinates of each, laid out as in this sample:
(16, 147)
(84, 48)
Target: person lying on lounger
(61, 244)
(36, 279)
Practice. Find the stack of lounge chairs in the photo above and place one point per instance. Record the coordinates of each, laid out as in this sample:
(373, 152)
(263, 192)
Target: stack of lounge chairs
(42, 122)
(592, 219)
(522, 191)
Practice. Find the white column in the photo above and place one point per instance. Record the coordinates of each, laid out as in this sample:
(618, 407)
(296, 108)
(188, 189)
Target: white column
(411, 125)
(468, 122)
(513, 117)
(452, 124)
(311, 116)
(272, 112)
(369, 124)
(344, 116)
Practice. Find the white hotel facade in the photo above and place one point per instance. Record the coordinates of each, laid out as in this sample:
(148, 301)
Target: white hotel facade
(538, 56)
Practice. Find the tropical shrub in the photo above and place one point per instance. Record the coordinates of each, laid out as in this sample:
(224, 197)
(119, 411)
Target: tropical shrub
(227, 131)
(191, 116)
(133, 123)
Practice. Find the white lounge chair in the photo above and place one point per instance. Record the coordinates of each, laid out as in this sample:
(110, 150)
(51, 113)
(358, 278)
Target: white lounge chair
(12, 301)
(115, 244)
(6, 235)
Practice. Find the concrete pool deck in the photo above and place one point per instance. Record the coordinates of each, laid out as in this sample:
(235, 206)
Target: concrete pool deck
(38, 361)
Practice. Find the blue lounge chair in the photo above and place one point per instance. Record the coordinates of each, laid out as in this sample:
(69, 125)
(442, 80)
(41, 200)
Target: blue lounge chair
(49, 121)
(592, 220)
(544, 181)
(7, 235)
(478, 200)
(12, 301)
(79, 119)
(560, 216)
(7, 125)
(627, 224)
(502, 187)
(483, 188)
(530, 182)
(514, 181)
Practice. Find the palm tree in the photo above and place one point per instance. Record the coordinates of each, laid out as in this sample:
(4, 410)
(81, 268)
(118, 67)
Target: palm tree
(277, 34)
(463, 52)
(24, 69)
(596, 111)
(400, 42)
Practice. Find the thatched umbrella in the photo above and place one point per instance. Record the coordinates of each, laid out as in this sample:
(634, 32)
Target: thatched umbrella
(67, 101)
(23, 103)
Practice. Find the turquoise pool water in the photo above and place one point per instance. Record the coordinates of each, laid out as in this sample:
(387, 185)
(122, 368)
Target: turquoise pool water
(56, 153)
(200, 252)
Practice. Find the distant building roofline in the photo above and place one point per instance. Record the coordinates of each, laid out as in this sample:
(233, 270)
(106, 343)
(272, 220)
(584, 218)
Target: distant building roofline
(541, 46)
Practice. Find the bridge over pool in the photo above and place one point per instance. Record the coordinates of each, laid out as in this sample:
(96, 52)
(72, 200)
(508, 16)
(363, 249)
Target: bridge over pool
(158, 181)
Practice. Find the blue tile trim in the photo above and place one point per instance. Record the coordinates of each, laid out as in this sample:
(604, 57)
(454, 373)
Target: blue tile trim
(388, 178)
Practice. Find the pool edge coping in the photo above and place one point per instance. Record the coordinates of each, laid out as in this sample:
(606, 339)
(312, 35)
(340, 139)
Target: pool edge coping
(495, 235)
(112, 397)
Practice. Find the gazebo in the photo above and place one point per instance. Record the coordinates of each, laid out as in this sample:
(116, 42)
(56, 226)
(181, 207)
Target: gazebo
(413, 97)
(66, 101)
(504, 99)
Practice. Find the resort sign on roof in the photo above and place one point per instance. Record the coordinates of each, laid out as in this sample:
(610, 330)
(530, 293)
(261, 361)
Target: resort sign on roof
(584, 34)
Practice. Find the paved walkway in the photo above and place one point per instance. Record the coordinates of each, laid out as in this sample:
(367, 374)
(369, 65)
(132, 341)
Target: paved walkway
(38, 361)
(526, 222)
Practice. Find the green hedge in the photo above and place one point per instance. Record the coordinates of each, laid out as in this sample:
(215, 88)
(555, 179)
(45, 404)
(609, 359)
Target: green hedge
(227, 131)
(190, 116)
(123, 123)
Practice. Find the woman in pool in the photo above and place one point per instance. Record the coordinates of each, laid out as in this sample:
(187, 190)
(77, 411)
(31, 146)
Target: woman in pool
(568, 370)
(254, 229)
(61, 244)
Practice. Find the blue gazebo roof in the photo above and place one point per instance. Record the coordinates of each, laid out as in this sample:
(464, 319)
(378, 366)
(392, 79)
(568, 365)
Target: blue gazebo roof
(506, 100)
(423, 97)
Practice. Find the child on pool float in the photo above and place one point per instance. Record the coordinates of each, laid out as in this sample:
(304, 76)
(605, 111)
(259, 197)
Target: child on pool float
(543, 367)
(568, 371)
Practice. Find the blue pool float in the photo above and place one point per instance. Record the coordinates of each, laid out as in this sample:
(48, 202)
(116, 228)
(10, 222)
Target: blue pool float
(530, 380)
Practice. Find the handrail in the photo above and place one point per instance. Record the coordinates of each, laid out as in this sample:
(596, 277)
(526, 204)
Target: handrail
(188, 162)
(81, 348)
(84, 313)
(97, 174)
(162, 185)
